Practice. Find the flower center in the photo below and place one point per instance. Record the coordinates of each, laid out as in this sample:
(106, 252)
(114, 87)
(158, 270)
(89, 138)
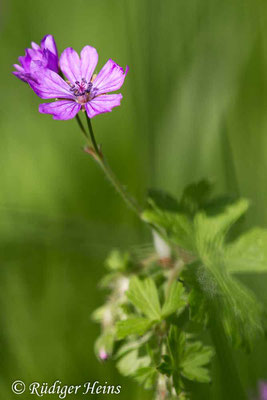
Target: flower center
(83, 91)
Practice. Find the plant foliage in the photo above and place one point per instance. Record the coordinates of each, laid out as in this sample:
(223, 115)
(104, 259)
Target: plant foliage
(159, 309)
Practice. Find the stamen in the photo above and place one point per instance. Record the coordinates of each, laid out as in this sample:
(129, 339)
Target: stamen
(83, 90)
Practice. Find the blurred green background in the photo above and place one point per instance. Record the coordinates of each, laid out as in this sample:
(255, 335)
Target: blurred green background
(195, 105)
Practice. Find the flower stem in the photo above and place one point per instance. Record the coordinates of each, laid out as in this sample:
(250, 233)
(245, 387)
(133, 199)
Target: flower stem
(90, 128)
(97, 154)
(78, 119)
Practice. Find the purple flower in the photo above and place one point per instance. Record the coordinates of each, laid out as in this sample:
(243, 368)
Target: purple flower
(43, 56)
(82, 90)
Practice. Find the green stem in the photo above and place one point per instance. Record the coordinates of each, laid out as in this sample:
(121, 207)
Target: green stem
(78, 119)
(174, 273)
(90, 128)
(99, 157)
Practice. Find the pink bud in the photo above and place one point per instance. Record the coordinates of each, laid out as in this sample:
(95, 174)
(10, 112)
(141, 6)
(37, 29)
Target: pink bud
(103, 355)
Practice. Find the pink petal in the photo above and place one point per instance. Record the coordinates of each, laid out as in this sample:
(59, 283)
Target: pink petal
(50, 85)
(25, 60)
(35, 54)
(110, 78)
(62, 109)
(70, 64)
(21, 75)
(18, 68)
(102, 104)
(89, 59)
(48, 42)
(35, 46)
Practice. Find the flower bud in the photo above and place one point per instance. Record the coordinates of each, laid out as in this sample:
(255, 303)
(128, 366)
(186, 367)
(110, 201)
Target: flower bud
(103, 355)
(162, 249)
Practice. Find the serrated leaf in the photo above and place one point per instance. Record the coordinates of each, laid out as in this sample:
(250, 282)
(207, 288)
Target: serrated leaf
(175, 301)
(132, 345)
(239, 311)
(146, 376)
(248, 254)
(174, 227)
(210, 229)
(132, 326)
(195, 359)
(198, 307)
(130, 363)
(144, 296)
(187, 359)
(195, 196)
(165, 214)
(162, 200)
(176, 344)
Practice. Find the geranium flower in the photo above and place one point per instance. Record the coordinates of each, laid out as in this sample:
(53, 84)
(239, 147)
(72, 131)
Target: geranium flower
(82, 90)
(36, 57)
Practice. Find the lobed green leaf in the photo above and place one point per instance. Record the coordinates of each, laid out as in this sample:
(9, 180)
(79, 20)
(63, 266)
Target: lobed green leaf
(132, 326)
(144, 296)
(248, 254)
(175, 300)
(131, 362)
(196, 358)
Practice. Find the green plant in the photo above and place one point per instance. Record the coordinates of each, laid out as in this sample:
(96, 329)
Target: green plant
(160, 307)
